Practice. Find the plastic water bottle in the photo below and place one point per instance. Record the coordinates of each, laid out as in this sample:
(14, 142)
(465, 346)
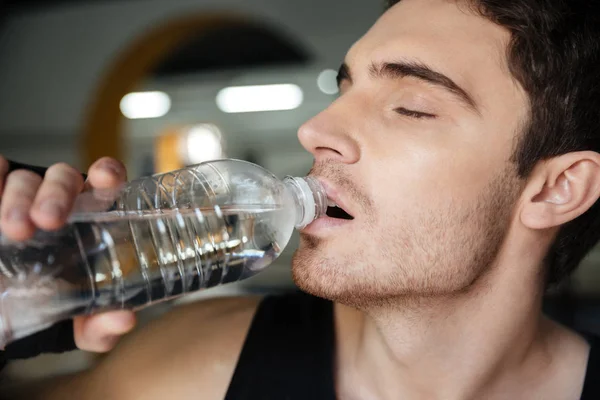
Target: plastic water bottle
(154, 239)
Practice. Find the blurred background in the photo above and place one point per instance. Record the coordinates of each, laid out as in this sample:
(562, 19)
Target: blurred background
(163, 84)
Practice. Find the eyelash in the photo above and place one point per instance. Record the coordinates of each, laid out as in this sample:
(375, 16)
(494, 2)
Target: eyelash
(414, 114)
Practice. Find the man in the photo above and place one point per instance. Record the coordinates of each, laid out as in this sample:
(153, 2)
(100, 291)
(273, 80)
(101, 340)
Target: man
(464, 145)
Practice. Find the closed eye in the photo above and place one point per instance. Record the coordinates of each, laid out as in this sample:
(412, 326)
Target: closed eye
(414, 114)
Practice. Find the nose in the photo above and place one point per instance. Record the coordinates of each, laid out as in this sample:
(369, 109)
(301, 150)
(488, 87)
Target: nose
(327, 136)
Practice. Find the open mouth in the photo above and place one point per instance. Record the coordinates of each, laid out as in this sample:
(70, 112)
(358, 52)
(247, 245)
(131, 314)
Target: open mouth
(333, 211)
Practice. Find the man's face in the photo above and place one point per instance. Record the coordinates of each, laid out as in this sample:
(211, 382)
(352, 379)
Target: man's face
(417, 149)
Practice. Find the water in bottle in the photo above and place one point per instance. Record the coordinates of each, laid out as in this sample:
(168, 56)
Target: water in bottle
(154, 239)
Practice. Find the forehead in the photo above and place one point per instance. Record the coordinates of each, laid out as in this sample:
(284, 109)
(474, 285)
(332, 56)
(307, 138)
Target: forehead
(468, 48)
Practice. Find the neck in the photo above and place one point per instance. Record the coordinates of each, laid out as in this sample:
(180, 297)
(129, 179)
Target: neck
(466, 346)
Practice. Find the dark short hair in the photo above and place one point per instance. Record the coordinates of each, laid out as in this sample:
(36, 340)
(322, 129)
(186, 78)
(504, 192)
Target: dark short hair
(554, 53)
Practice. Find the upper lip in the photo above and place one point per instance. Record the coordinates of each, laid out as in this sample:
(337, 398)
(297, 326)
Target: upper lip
(335, 195)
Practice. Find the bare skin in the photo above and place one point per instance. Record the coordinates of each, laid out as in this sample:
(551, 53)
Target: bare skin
(191, 352)
(28, 203)
(443, 300)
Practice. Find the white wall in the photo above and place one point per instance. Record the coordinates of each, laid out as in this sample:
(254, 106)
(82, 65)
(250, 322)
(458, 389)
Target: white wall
(52, 61)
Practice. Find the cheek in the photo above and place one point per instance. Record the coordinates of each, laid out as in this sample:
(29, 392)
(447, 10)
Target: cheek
(414, 167)
(444, 168)
(420, 177)
(407, 190)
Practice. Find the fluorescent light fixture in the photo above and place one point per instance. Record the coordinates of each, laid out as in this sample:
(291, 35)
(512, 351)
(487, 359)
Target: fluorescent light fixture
(140, 105)
(327, 82)
(202, 143)
(241, 99)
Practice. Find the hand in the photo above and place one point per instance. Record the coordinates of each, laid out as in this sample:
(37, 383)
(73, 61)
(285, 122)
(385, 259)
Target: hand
(30, 202)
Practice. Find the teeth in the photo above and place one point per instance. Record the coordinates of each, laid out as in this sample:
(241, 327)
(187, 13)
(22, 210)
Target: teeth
(331, 204)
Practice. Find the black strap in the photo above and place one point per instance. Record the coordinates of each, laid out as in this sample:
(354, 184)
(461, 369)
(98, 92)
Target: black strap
(288, 353)
(56, 339)
(13, 166)
(41, 171)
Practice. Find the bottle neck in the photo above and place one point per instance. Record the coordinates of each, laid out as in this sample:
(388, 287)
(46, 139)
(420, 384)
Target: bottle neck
(310, 199)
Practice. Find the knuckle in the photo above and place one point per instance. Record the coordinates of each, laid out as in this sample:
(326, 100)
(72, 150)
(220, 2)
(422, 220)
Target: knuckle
(20, 190)
(62, 169)
(60, 186)
(64, 178)
(23, 177)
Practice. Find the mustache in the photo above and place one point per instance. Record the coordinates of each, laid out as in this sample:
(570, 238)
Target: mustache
(337, 174)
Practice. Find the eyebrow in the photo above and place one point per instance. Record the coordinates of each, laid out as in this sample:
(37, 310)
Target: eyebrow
(417, 70)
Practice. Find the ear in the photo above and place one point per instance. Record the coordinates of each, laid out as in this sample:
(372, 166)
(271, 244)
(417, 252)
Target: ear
(561, 189)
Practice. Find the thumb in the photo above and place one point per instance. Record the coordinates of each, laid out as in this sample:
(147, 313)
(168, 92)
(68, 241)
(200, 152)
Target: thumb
(106, 173)
(100, 333)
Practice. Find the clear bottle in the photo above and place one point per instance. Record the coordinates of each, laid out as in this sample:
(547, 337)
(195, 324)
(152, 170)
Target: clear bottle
(154, 239)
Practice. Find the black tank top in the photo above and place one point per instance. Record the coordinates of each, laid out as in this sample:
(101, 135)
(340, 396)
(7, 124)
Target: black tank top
(289, 353)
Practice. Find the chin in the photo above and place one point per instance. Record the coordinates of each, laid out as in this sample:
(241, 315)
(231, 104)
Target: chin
(338, 279)
(313, 272)
(361, 280)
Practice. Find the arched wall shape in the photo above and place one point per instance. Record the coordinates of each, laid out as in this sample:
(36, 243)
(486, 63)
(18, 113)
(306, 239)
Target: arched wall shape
(102, 128)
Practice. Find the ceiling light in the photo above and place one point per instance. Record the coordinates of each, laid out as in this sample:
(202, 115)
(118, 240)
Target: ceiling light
(139, 105)
(241, 99)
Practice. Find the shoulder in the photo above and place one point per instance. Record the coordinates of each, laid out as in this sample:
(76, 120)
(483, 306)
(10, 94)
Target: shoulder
(190, 352)
(580, 362)
(593, 364)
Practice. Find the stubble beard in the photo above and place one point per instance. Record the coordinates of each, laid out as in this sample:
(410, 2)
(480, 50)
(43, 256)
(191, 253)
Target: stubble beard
(422, 256)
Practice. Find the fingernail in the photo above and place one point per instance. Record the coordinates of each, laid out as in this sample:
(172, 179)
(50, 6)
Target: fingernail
(51, 209)
(111, 168)
(16, 215)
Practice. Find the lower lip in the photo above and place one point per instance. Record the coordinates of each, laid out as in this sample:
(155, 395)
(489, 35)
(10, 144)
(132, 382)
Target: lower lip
(324, 224)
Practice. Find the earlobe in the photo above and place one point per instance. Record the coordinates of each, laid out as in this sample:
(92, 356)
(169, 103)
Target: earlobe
(571, 185)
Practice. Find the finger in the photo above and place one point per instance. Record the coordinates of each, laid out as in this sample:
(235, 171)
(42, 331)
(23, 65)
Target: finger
(3, 172)
(19, 193)
(55, 197)
(106, 173)
(100, 333)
